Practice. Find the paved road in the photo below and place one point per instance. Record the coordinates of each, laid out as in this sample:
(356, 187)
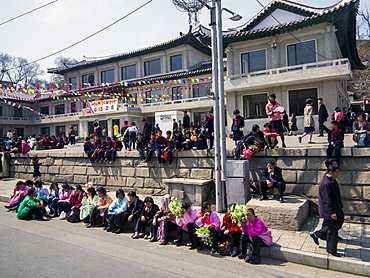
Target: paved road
(60, 249)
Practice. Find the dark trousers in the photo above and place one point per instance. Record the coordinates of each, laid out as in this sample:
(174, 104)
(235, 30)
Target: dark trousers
(323, 128)
(215, 238)
(124, 219)
(72, 140)
(114, 220)
(149, 223)
(170, 155)
(142, 153)
(336, 149)
(39, 213)
(233, 237)
(65, 206)
(149, 154)
(167, 227)
(257, 243)
(126, 141)
(132, 139)
(95, 214)
(111, 155)
(280, 185)
(329, 232)
(159, 154)
(239, 148)
(89, 153)
(191, 229)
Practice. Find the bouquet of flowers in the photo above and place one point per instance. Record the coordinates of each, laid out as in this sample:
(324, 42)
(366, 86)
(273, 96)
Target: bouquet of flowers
(254, 148)
(238, 213)
(204, 235)
(176, 208)
(247, 154)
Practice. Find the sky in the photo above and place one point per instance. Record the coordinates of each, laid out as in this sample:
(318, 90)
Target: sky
(67, 21)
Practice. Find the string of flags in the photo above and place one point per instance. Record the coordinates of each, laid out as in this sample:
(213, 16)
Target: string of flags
(16, 105)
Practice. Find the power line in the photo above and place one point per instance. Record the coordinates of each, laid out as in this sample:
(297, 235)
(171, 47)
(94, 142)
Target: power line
(28, 12)
(86, 38)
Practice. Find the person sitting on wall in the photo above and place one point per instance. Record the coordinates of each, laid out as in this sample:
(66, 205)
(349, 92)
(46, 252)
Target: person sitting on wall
(270, 136)
(361, 129)
(335, 139)
(167, 151)
(237, 126)
(150, 149)
(88, 148)
(199, 140)
(160, 144)
(107, 149)
(101, 150)
(272, 177)
(141, 145)
(187, 143)
(178, 139)
(255, 137)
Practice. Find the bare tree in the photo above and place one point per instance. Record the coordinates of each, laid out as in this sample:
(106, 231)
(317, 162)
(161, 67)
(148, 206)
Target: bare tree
(17, 69)
(61, 62)
(363, 24)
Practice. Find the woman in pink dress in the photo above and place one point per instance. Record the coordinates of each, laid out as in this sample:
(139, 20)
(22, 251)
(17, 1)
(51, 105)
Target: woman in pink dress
(19, 193)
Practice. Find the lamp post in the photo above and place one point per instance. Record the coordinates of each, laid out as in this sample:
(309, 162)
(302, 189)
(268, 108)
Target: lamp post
(219, 99)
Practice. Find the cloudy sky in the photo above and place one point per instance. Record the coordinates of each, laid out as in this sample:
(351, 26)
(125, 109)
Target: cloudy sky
(67, 21)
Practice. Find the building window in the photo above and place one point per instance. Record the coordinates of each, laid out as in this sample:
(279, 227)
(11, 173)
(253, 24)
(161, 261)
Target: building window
(176, 62)
(1, 111)
(73, 107)
(176, 93)
(73, 83)
(59, 109)
(128, 72)
(60, 130)
(302, 53)
(45, 131)
(253, 61)
(202, 90)
(88, 78)
(44, 110)
(18, 112)
(254, 106)
(107, 76)
(151, 96)
(297, 100)
(152, 67)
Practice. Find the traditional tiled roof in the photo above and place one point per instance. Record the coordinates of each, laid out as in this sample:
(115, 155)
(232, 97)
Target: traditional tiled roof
(189, 39)
(342, 15)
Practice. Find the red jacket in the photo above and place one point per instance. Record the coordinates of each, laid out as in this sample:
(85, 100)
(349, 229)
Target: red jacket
(228, 223)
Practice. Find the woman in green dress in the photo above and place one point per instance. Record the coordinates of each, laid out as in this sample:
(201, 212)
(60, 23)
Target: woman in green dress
(31, 207)
(88, 203)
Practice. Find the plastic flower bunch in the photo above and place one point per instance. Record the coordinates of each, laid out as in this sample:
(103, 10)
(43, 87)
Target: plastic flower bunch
(238, 213)
(247, 154)
(176, 208)
(254, 148)
(204, 235)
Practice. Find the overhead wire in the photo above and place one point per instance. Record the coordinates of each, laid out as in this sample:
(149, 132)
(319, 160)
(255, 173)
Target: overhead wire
(14, 18)
(84, 39)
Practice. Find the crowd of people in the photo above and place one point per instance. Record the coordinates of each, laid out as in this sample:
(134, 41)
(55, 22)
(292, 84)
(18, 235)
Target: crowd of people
(31, 200)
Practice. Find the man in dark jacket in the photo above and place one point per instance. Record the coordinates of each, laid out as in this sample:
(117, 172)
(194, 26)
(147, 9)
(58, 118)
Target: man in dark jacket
(133, 211)
(147, 130)
(323, 117)
(272, 177)
(123, 130)
(335, 139)
(330, 208)
(186, 121)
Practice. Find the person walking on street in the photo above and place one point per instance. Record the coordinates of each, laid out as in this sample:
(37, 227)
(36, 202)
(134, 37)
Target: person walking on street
(273, 111)
(309, 123)
(330, 208)
(323, 117)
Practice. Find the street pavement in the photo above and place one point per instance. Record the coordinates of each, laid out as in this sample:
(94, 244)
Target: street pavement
(61, 249)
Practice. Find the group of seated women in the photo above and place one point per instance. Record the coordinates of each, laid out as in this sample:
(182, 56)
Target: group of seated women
(97, 208)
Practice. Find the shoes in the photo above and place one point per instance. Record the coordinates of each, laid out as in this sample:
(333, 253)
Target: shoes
(320, 136)
(241, 256)
(226, 253)
(178, 242)
(247, 259)
(7, 207)
(118, 231)
(189, 244)
(256, 259)
(147, 237)
(90, 226)
(105, 229)
(264, 198)
(281, 200)
(315, 238)
(199, 247)
(311, 142)
(300, 139)
(44, 218)
(336, 254)
(153, 239)
(213, 250)
(164, 242)
(108, 229)
(284, 146)
(136, 236)
(234, 253)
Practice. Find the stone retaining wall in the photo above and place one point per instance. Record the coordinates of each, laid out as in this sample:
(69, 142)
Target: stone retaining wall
(303, 169)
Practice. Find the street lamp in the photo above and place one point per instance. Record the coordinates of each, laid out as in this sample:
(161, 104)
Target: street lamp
(219, 94)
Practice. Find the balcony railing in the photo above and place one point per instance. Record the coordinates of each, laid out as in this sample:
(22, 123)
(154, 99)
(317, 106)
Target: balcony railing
(282, 70)
(177, 101)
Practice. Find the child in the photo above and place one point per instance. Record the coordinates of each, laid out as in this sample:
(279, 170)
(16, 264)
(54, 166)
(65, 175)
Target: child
(200, 140)
(131, 132)
(187, 143)
(335, 139)
(160, 144)
(293, 128)
(141, 145)
(167, 151)
(63, 202)
(88, 148)
(150, 149)
(36, 169)
(270, 136)
(117, 146)
(178, 140)
(208, 218)
(230, 231)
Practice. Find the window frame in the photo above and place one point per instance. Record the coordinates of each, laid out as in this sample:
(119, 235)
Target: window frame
(182, 62)
(103, 72)
(202, 84)
(300, 111)
(301, 42)
(59, 106)
(241, 60)
(148, 61)
(87, 75)
(131, 65)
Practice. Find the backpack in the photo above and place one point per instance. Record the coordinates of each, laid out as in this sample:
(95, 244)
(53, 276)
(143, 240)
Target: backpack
(363, 140)
(74, 215)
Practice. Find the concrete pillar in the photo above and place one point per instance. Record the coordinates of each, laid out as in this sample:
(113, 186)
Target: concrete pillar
(185, 59)
(109, 127)
(83, 128)
(230, 61)
(330, 95)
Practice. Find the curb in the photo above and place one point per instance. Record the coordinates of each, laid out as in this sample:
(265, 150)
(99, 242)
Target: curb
(317, 260)
(4, 198)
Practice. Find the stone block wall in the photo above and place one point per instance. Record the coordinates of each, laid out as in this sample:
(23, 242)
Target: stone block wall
(302, 170)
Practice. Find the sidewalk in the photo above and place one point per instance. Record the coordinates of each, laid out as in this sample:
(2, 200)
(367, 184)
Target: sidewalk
(297, 247)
